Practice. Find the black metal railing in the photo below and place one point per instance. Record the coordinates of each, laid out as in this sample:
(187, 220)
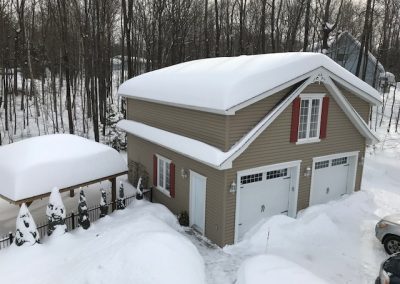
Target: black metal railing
(71, 221)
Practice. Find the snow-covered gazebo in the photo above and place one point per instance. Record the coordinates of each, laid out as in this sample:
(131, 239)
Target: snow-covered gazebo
(29, 169)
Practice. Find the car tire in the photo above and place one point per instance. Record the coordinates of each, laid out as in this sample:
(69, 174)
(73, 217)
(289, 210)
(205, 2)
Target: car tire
(391, 244)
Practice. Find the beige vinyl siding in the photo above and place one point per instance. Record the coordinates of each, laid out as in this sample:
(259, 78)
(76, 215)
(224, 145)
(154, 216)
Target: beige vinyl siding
(203, 126)
(273, 147)
(360, 105)
(245, 119)
(142, 151)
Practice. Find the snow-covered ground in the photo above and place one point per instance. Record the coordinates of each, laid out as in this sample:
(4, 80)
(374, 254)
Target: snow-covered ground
(332, 243)
(141, 244)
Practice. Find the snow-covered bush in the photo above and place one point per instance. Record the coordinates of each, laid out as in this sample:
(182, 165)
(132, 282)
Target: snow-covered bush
(26, 232)
(121, 197)
(55, 212)
(183, 218)
(83, 218)
(103, 204)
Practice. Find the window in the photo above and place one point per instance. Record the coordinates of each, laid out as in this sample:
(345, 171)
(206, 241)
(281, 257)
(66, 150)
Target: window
(163, 175)
(339, 161)
(322, 164)
(250, 178)
(276, 174)
(309, 118)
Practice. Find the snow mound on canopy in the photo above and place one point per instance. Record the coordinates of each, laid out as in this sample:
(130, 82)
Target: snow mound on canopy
(274, 269)
(325, 239)
(34, 166)
(140, 244)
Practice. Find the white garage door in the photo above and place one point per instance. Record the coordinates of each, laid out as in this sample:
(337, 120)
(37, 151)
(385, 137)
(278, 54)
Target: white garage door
(262, 194)
(330, 179)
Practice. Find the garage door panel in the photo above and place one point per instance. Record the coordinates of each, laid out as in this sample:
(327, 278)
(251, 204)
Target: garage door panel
(263, 195)
(330, 180)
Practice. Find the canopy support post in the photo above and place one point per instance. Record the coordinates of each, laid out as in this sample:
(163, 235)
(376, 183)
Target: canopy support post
(71, 193)
(113, 192)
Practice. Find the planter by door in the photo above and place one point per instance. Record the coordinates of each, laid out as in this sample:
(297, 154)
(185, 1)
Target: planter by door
(264, 192)
(332, 177)
(198, 185)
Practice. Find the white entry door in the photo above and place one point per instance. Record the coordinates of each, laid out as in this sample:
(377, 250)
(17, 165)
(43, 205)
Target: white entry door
(263, 194)
(197, 214)
(330, 179)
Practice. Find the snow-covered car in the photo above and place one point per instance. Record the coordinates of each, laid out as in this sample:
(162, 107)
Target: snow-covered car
(390, 271)
(387, 231)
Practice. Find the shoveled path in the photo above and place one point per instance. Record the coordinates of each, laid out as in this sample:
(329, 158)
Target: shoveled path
(221, 268)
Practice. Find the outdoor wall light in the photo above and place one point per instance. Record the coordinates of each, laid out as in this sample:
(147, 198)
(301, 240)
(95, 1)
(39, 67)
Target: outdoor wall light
(307, 172)
(233, 187)
(184, 173)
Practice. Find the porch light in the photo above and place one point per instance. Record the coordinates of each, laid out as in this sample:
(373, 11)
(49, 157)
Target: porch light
(233, 187)
(184, 174)
(307, 172)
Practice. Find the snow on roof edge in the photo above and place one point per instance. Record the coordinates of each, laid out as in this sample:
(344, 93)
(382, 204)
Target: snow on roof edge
(32, 167)
(233, 92)
(186, 146)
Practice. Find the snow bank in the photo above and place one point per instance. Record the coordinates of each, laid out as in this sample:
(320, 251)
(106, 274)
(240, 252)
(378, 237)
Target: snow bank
(274, 269)
(34, 166)
(336, 241)
(224, 82)
(141, 244)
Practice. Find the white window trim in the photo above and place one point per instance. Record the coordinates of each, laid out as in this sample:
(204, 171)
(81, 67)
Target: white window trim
(311, 96)
(159, 187)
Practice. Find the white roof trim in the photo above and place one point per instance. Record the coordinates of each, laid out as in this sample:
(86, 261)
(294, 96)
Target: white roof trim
(205, 109)
(191, 148)
(373, 99)
(348, 109)
(218, 159)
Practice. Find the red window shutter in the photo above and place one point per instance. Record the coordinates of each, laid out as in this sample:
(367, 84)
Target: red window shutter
(324, 118)
(172, 179)
(295, 120)
(155, 160)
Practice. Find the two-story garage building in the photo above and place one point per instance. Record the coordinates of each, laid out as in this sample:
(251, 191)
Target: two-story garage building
(234, 140)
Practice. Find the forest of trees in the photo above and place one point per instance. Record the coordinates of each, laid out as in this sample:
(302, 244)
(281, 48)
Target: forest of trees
(57, 57)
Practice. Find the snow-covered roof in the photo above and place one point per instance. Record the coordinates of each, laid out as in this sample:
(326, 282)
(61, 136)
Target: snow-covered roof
(34, 166)
(218, 159)
(226, 84)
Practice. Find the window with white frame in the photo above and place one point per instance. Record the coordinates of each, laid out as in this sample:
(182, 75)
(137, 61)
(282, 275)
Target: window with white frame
(310, 117)
(163, 175)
